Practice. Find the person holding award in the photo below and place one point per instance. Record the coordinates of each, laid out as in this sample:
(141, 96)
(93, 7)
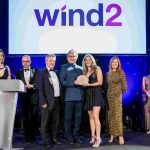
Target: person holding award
(93, 96)
(73, 97)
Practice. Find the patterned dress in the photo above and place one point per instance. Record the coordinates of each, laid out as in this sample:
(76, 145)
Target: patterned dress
(116, 86)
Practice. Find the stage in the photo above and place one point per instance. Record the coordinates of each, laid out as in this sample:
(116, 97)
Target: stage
(102, 28)
(133, 141)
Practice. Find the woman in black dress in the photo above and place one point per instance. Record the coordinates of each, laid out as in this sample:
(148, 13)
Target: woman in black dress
(93, 97)
(4, 69)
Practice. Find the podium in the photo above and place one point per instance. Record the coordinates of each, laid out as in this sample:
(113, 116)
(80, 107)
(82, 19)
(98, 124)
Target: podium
(8, 99)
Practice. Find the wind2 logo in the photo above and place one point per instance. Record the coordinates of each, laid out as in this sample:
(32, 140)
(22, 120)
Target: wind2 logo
(67, 16)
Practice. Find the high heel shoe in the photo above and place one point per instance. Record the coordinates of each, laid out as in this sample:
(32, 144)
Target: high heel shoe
(148, 132)
(97, 143)
(111, 139)
(121, 140)
(92, 140)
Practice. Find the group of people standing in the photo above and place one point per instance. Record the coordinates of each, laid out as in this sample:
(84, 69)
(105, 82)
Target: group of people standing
(45, 89)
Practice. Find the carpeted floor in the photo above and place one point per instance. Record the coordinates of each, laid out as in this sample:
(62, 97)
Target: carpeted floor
(133, 141)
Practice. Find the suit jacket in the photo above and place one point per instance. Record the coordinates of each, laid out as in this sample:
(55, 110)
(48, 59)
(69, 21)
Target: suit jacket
(68, 74)
(45, 89)
(30, 96)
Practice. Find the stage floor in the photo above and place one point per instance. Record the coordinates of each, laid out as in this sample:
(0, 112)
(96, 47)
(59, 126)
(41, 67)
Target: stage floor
(133, 141)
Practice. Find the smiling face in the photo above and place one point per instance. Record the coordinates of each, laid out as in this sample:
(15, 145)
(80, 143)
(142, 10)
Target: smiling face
(26, 61)
(72, 58)
(50, 62)
(1, 57)
(88, 61)
(115, 64)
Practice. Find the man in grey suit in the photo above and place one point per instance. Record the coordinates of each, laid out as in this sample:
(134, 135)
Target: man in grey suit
(73, 97)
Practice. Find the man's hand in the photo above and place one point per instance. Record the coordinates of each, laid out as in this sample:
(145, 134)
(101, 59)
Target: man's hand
(44, 106)
(77, 83)
(29, 86)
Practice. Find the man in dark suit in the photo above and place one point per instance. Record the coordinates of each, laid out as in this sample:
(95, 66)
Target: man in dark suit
(28, 100)
(49, 100)
(73, 97)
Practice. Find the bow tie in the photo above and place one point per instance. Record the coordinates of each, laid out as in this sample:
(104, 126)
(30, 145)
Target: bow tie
(51, 70)
(26, 69)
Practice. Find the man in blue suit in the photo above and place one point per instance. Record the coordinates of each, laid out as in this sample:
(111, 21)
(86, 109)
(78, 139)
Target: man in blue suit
(73, 97)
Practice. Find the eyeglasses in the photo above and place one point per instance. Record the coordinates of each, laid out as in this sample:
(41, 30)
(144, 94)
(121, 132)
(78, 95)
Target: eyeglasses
(71, 56)
(26, 61)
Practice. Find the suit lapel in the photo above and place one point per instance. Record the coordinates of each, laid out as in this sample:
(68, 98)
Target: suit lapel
(48, 76)
(60, 86)
(56, 72)
(32, 72)
(76, 70)
(22, 76)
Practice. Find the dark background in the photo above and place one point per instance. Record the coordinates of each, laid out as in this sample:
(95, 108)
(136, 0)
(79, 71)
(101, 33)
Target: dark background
(135, 67)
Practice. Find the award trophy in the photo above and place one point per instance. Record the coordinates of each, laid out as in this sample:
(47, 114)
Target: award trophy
(82, 79)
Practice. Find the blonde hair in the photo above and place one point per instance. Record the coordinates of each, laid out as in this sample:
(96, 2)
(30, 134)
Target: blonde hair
(119, 69)
(94, 65)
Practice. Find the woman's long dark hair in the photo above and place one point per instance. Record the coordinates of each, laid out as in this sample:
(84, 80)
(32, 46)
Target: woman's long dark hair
(1, 51)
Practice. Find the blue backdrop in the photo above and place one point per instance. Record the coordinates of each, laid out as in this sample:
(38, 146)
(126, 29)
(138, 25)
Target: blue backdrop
(135, 66)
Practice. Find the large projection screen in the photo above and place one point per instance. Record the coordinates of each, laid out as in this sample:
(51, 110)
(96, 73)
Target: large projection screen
(98, 26)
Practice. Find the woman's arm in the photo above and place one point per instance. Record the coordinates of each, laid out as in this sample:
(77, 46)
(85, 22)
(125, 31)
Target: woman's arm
(9, 73)
(144, 87)
(123, 82)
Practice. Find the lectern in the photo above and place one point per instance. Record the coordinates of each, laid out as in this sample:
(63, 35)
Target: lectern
(8, 99)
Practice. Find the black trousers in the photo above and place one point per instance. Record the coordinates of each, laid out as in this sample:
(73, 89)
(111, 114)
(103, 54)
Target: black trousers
(28, 118)
(50, 119)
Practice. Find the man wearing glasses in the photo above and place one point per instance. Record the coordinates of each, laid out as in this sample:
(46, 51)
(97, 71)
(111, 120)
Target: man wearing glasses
(73, 97)
(28, 100)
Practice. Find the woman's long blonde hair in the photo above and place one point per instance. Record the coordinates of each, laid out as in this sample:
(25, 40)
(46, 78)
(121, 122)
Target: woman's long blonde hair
(119, 69)
(94, 65)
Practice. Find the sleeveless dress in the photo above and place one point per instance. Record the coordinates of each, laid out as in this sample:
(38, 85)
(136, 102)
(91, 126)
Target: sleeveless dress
(147, 103)
(6, 74)
(93, 95)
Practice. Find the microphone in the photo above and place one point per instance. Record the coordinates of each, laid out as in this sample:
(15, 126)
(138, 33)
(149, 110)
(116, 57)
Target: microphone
(13, 75)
